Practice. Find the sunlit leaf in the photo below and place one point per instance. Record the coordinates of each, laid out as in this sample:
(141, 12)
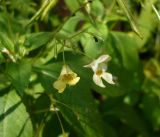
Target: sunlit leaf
(14, 119)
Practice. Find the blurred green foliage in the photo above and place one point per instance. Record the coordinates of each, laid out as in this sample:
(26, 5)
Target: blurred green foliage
(34, 38)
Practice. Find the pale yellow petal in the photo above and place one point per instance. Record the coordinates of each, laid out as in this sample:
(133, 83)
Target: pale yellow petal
(74, 74)
(74, 81)
(59, 85)
(98, 81)
(66, 70)
(108, 77)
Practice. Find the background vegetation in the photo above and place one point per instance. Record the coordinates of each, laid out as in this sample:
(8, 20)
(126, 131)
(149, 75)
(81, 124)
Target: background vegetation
(33, 36)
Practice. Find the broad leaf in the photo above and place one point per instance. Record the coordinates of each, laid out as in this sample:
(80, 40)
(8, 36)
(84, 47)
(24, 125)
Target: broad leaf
(35, 40)
(19, 74)
(6, 43)
(126, 115)
(14, 120)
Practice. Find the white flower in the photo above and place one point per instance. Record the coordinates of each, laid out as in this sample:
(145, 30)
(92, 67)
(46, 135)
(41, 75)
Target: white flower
(99, 68)
(67, 76)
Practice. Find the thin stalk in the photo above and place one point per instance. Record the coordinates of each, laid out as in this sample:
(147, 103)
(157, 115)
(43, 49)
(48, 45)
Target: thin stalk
(64, 61)
(41, 125)
(62, 128)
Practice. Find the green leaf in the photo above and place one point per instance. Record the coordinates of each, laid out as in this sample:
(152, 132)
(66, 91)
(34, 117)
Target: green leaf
(126, 10)
(93, 39)
(126, 48)
(82, 110)
(14, 120)
(5, 42)
(91, 48)
(97, 8)
(70, 4)
(146, 28)
(3, 20)
(151, 109)
(125, 114)
(69, 27)
(36, 40)
(19, 74)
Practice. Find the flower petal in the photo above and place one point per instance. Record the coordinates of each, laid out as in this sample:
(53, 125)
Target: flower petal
(74, 74)
(74, 81)
(102, 66)
(108, 77)
(99, 63)
(59, 85)
(66, 70)
(92, 65)
(98, 81)
(103, 58)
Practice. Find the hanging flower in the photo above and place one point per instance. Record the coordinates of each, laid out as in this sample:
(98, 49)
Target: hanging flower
(99, 68)
(67, 76)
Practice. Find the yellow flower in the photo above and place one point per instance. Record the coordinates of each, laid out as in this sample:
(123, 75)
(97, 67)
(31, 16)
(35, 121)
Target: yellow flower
(99, 68)
(67, 76)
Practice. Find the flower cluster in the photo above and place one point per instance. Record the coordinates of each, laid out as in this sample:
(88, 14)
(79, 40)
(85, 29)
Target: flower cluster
(99, 67)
